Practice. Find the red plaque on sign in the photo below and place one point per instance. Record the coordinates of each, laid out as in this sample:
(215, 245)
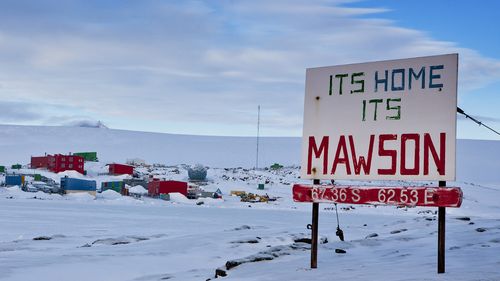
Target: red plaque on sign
(400, 196)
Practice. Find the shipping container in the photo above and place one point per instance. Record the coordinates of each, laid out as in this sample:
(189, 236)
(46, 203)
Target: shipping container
(2, 169)
(113, 185)
(87, 156)
(72, 184)
(11, 180)
(16, 166)
(120, 169)
(156, 188)
(39, 162)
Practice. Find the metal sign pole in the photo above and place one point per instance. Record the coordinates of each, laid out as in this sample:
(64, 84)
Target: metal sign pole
(314, 232)
(441, 234)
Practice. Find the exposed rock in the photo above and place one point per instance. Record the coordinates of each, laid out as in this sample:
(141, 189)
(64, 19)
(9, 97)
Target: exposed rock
(303, 240)
(220, 272)
(398, 231)
(463, 218)
(243, 227)
(371, 235)
(42, 238)
(480, 229)
(119, 240)
(322, 240)
(249, 241)
(260, 257)
(340, 251)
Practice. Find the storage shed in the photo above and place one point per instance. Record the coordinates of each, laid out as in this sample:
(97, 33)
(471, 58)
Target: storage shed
(120, 169)
(113, 185)
(39, 162)
(156, 188)
(73, 185)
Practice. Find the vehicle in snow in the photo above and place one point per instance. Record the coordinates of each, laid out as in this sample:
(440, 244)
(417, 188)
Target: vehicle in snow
(42, 186)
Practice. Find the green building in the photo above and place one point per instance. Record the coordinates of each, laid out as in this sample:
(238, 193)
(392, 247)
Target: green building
(2, 169)
(113, 185)
(16, 166)
(87, 156)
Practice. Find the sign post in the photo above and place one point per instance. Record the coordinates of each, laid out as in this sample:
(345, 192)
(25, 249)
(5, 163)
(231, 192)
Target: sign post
(441, 234)
(387, 120)
(314, 232)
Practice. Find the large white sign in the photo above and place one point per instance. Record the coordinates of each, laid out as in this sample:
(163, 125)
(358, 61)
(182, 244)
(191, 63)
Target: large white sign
(393, 120)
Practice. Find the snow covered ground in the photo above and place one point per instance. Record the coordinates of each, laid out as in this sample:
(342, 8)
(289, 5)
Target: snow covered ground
(112, 237)
(53, 237)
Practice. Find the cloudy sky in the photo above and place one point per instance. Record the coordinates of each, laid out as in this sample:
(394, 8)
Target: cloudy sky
(203, 67)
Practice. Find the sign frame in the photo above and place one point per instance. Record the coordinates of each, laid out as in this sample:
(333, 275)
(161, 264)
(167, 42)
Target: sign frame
(383, 120)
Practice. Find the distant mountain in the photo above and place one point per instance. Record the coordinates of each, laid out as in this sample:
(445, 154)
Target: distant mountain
(87, 124)
(477, 160)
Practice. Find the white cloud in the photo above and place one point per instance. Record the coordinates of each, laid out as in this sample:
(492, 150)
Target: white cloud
(189, 61)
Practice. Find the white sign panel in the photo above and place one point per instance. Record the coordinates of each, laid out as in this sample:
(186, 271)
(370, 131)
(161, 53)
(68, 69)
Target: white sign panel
(388, 120)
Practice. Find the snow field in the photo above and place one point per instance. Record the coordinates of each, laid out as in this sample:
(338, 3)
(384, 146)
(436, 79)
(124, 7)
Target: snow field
(113, 237)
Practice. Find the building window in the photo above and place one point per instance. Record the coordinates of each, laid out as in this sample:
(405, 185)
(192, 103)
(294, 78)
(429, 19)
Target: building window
(63, 165)
(70, 166)
(71, 159)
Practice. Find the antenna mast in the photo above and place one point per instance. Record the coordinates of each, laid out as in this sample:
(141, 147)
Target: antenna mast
(258, 131)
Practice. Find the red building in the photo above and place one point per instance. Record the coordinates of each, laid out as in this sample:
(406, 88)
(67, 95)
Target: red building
(120, 169)
(155, 188)
(39, 162)
(60, 163)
